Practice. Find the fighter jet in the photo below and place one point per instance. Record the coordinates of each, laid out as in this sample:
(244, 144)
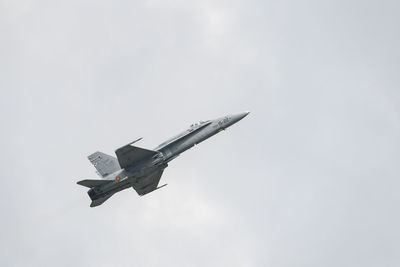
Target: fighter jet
(142, 168)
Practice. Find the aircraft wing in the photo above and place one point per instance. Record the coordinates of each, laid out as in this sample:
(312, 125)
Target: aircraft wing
(104, 164)
(129, 155)
(147, 184)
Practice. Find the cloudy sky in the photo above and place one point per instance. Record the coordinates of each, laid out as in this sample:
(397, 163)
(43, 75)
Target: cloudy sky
(309, 178)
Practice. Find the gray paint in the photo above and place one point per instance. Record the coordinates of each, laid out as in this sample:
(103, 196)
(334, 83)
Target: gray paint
(310, 179)
(141, 168)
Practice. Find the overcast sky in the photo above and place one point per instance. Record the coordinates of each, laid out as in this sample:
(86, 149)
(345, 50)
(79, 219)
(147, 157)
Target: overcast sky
(309, 178)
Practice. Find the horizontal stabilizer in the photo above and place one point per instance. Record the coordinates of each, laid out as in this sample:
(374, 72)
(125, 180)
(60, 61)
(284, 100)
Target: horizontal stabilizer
(99, 201)
(93, 183)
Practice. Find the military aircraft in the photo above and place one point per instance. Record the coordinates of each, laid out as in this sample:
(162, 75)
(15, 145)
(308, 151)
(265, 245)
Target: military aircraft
(142, 168)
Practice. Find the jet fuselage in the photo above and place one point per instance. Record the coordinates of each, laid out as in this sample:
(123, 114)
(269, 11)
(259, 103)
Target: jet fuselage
(135, 175)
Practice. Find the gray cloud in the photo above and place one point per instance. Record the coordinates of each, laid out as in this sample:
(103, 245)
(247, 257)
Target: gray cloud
(310, 178)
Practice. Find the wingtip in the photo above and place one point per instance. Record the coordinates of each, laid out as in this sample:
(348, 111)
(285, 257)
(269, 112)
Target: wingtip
(135, 141)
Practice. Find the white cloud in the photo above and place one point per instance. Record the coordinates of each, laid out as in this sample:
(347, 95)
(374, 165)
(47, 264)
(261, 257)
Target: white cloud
(308, 179)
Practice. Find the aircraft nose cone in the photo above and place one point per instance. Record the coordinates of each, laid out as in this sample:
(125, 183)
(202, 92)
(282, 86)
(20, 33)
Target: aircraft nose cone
(240, 116)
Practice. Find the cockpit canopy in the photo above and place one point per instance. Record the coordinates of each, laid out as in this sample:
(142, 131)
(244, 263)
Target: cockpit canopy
(197, 124)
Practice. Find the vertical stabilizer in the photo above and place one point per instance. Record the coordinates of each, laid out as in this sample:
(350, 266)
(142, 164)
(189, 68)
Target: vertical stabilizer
(104, 164)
